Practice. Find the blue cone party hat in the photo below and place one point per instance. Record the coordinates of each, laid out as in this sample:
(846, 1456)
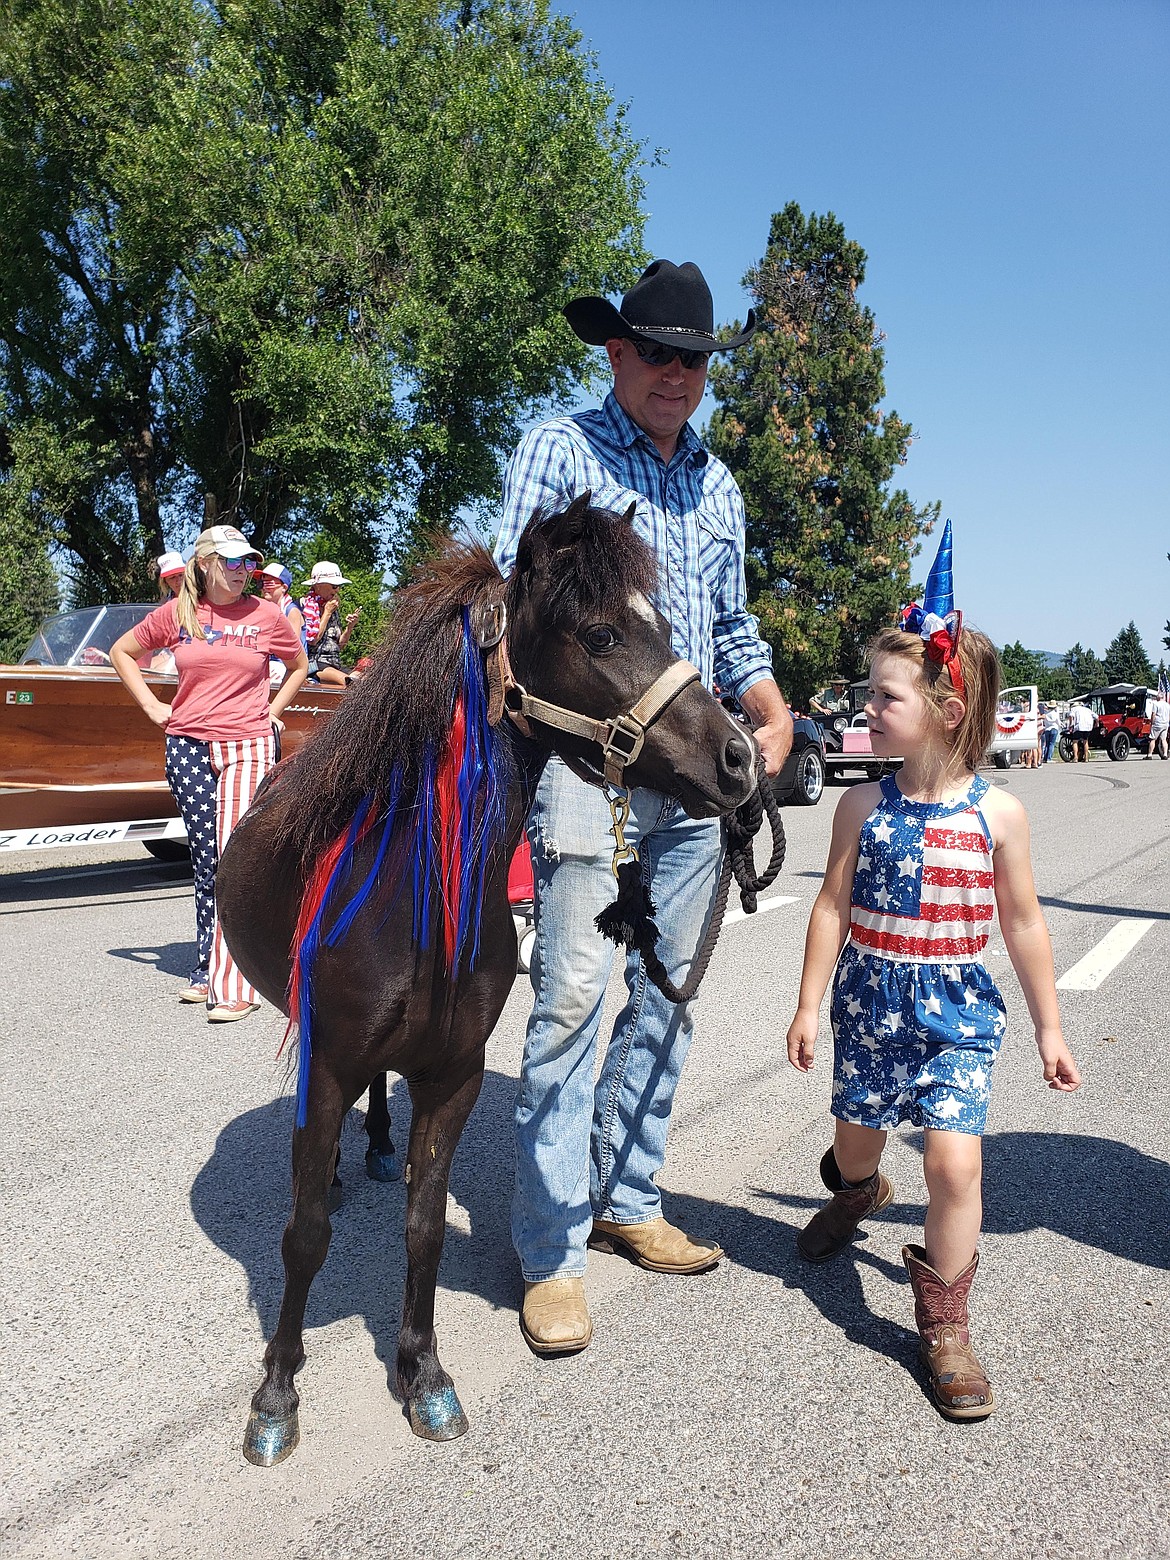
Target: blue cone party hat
(937, 620)
(940, 582)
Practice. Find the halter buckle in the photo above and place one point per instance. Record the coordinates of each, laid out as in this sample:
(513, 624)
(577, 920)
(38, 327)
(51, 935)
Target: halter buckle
(489, 623)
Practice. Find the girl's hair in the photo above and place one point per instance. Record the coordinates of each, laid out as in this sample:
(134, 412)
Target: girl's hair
(979, 664)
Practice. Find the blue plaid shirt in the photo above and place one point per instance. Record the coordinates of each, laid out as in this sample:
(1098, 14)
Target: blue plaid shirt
(690, 512)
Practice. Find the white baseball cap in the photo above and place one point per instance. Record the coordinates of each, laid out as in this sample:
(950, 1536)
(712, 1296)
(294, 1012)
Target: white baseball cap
(228, 542)
(170, 563)
(326, 573)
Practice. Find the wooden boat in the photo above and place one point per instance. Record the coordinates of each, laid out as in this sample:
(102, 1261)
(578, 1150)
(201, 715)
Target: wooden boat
(79, 761)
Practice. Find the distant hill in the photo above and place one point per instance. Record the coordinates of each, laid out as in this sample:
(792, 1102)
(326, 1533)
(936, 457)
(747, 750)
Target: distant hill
(1051, 658)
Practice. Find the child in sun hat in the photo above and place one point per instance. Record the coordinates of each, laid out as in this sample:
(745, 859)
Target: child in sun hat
(327, 637)
(918, 864)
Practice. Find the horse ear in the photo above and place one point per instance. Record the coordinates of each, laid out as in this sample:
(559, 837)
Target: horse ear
(628, 517)
(564, 530)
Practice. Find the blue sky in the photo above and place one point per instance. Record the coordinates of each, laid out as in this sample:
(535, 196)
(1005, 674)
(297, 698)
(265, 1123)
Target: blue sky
(1005, 168)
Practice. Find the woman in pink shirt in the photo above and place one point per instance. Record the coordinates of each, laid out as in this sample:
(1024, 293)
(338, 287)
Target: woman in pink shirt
(219, 727)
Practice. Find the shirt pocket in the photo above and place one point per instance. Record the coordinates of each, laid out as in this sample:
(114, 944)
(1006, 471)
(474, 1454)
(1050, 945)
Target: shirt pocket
(718, 540)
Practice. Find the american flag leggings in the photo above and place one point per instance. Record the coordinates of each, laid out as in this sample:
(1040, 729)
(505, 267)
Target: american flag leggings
(213, 783)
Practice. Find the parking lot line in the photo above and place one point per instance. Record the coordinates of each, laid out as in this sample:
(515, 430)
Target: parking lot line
(1088, 973)
(765, 904)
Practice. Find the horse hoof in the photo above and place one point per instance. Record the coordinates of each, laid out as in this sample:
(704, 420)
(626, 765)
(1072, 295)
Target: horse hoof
(382, 1165)
(336, 1194)
(269, 1440)
(438, 1416)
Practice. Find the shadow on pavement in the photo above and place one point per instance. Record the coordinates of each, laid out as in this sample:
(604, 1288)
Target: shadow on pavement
(242, 1197)
(1096, 1191)
(169, 959)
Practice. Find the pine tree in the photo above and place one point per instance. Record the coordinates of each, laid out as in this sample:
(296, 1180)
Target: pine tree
(799, 422)
(1084, 668)
(1126, 659)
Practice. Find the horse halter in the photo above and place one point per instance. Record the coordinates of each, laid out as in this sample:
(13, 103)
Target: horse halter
(620, 737)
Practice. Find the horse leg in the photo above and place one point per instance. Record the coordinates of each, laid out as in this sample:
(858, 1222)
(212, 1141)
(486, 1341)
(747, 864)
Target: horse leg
(381, 1160)
(437, 1123)
(272, 1431)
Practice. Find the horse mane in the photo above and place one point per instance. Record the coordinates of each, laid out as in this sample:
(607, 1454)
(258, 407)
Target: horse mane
(398, 713)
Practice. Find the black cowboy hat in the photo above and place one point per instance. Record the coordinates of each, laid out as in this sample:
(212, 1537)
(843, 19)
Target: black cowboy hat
(668, 303)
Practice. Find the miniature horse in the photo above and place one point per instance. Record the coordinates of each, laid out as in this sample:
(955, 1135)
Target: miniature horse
(392, 830)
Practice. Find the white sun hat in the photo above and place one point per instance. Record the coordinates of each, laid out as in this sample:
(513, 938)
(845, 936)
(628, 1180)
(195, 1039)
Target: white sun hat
(326, 573)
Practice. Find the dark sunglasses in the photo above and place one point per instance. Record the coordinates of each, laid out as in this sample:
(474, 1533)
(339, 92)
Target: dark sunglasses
(247, 564)
(657, 354)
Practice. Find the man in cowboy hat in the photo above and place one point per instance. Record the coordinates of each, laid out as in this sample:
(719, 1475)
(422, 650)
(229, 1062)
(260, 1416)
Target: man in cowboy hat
(587, 1156)
(833, 699)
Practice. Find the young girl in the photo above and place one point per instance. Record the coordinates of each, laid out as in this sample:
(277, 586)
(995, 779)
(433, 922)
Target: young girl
(915, 865)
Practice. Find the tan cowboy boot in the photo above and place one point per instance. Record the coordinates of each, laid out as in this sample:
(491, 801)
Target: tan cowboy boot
(832, 1228)
(554, 1317)
(657, 1245)
(957, 1380)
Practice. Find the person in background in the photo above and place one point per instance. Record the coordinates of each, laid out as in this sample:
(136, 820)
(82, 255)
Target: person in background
(1160, 725)
(831, 700)
(171, 570)
(326, 635)
(1050, 731)
(220, 738)
(275, 580)
(1083, 721)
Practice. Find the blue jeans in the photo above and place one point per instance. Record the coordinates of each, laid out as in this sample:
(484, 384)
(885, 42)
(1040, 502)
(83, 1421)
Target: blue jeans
(1049, 744)
(583, 1148)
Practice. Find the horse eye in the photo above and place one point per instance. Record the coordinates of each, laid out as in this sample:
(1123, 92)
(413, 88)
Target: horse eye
(599, 638)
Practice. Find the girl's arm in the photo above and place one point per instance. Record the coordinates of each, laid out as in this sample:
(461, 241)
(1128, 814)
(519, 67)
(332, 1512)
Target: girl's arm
(295, 673)
(296, 620)
(124, 655)
(828, 925)
(1026, 937)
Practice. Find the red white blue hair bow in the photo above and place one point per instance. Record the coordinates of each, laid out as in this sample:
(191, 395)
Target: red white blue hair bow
(936, 621)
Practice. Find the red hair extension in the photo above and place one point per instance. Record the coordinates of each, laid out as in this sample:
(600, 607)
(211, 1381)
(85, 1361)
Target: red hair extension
(449, 820)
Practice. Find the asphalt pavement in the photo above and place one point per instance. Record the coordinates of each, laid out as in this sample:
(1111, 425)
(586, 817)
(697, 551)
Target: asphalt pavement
(765, 1408)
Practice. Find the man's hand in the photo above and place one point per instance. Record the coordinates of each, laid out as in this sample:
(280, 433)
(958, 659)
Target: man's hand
(775, 741)
(772, 722)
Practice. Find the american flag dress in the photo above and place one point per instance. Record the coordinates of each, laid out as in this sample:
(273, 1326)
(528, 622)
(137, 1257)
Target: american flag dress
(917, 1019)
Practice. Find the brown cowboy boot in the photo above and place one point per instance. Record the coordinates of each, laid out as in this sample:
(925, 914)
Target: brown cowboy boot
(957, 1380)
(834, 1226)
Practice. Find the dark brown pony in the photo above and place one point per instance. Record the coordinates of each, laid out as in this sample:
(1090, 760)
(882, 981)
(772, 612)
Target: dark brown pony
(392, 831)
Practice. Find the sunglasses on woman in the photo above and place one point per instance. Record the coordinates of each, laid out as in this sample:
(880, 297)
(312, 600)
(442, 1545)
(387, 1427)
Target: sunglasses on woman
(235, 564)
(657, 354)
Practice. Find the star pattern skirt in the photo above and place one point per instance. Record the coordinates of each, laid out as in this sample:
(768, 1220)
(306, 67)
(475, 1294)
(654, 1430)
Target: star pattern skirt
(914, 1042)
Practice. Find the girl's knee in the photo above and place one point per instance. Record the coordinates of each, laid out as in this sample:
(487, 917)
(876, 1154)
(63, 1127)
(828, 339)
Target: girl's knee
(952, 1163)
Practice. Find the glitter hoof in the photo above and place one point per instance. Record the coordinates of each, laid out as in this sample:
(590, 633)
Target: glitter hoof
(269, 1440)
(438, 1416)
(382, 1166)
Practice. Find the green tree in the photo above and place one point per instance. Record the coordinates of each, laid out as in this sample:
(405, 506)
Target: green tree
(1126, 659)
(799, 422)
(1084, 668)
(303, 256)
(1056, 683)
(1020, 666)
(28, 581)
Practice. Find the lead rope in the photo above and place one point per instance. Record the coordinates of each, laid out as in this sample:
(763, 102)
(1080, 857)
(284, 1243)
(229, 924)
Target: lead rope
(629, 921)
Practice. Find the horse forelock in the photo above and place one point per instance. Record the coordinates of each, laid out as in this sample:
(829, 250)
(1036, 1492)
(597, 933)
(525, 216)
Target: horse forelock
(595, 577)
